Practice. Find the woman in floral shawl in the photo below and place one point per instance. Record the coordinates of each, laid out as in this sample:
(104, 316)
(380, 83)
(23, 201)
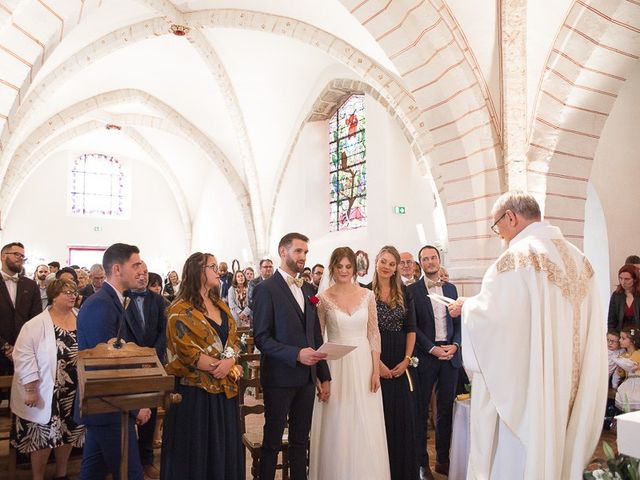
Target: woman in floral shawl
(201, 438)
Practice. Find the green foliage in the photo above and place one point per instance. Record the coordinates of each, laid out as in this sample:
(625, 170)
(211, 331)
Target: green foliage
(615, 467)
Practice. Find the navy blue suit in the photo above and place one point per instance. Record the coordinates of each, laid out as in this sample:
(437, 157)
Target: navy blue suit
(98, 321)
(432, 371)
(149, 333)
(281, 330)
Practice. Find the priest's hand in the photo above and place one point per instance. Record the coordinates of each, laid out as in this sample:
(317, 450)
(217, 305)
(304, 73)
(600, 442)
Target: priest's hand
(144, 414)
(455, 308)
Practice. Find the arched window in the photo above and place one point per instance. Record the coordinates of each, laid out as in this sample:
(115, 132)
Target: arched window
(97, 186)
(348, 168)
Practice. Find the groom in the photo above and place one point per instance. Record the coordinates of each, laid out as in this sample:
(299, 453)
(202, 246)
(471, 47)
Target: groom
(287, 332)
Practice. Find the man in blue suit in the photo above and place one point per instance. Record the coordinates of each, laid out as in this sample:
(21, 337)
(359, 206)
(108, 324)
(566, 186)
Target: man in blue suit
(287, 332)
(438, 351)
(101, 318)
(147, 313)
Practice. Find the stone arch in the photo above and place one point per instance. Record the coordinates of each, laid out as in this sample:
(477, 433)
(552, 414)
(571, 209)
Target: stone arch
(594, 51)
(158, 162)
(428, 48)
(178, 125)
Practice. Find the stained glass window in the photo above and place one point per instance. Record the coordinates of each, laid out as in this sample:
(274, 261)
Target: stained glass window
(348, 168)
(97, 186)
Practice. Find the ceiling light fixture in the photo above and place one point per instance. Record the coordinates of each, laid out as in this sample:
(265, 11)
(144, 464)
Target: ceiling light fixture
(111, 126)
(179, 30)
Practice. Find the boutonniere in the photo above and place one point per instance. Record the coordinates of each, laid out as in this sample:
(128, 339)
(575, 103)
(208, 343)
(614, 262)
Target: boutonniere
(314, 300)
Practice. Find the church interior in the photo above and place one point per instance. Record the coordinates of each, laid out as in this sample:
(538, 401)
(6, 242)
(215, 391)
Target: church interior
(215, 125)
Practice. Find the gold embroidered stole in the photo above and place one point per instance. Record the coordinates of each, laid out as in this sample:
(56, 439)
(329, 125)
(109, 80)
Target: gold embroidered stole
(572, 285)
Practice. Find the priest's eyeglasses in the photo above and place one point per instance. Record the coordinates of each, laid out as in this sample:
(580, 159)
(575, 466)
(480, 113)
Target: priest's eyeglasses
(494, 227)
(213, 267)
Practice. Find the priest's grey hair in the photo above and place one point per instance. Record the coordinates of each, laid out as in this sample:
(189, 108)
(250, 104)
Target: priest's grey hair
(519, 202)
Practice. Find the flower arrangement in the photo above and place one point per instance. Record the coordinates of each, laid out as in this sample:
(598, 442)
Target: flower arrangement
(314, 300)
(414, 362)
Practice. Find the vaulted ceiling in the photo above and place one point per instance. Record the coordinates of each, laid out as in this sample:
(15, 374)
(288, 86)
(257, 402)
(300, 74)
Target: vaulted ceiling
(227, 84)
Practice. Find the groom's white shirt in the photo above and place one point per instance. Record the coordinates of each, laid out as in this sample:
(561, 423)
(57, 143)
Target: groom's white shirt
(296, 290)
(533, 343)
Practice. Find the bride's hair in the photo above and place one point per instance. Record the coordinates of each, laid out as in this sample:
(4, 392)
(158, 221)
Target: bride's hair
(337, 255)
(396, 298)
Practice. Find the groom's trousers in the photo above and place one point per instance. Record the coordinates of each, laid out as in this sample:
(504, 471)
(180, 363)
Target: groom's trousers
(280, 404)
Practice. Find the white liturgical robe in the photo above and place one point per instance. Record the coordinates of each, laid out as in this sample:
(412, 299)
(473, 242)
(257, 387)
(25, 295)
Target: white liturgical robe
(534, 346)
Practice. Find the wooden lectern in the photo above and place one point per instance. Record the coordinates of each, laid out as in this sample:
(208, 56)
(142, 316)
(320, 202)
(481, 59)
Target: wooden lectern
(121, 379)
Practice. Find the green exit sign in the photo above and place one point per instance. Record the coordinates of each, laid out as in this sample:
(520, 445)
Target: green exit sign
(399, 210)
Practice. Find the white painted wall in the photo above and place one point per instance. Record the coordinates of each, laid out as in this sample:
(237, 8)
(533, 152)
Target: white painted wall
(218, 224)
(596, 242)
(39, 217)
(393, 179)
(615, 175)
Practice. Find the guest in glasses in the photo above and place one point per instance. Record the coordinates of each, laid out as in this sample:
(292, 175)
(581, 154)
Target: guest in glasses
(19, 302)
(44, 383)
(201, 438)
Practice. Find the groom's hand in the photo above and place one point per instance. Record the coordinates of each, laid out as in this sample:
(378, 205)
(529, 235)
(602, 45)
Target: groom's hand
(324, 390)
(308, 356)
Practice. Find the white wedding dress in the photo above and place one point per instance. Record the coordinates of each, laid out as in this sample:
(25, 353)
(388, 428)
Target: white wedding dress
(348, 438)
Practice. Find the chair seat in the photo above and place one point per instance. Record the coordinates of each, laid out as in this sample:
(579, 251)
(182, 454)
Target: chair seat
(253, 440)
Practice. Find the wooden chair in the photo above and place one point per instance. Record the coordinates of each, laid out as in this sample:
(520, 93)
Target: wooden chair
(252, 440)
(5, 384)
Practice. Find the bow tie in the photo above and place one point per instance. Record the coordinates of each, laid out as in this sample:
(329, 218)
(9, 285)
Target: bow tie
(431, 283)
(135, 295)
(298, 281)
(7, 278)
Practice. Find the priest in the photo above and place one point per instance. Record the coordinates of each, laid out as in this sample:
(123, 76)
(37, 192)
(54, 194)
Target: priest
(533, 344)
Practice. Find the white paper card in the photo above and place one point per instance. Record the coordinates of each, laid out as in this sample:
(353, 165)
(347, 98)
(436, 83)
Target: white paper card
(446, 301)
(335, 351)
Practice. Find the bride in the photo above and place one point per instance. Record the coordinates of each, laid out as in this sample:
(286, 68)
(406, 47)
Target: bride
(348, 438)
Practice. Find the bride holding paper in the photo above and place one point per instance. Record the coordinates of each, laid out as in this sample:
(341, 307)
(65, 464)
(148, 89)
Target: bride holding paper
(348, 438)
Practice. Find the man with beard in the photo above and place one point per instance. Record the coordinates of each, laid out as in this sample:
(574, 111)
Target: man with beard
(40, 278)
(19, 302)
(438, 351)
(287, 332)
(147, 312)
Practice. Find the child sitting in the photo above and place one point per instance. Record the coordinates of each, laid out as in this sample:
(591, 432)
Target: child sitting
(628, 394)
(614, 351)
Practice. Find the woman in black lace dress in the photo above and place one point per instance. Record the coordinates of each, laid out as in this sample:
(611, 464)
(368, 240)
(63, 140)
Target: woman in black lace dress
(397, 332)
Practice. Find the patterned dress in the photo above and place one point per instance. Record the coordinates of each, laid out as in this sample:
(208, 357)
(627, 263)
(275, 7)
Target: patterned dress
(28, 436)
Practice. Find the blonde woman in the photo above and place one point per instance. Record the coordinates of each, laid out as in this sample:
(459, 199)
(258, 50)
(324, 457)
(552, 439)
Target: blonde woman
(397, 326)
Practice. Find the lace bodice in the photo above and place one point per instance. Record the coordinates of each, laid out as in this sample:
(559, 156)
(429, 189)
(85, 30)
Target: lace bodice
(362, 322)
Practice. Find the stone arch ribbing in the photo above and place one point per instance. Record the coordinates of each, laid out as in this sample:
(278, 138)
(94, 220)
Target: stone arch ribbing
(595, 49)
